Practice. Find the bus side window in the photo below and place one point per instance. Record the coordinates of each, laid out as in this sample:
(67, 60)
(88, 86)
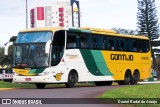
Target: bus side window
(135, 48)
(90, 44)
(145, 46)
(140, 45)
(129, 45)
(94, 42)
(104, 43)
(99, 39)
(71, 42)
(126, 44)
(122, 45)
(111, 44)
(84, 41)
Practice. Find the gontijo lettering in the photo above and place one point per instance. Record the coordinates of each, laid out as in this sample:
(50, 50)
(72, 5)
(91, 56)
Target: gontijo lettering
(122, 57)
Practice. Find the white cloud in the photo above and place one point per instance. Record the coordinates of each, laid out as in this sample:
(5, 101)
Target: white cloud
(12, 8)
(113, 1)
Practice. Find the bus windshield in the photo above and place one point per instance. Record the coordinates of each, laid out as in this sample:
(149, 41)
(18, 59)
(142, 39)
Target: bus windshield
(34, 37)
(29, 51)
(30, 56)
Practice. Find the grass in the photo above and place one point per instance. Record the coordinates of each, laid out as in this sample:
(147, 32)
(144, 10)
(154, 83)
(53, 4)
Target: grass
(24, 85)
(134, 91)
(15, 85)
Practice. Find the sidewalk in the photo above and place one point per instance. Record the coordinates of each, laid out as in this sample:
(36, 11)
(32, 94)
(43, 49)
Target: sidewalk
(149, 82)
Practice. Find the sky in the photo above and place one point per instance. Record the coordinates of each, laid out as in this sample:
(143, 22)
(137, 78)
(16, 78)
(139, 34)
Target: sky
(95, 13)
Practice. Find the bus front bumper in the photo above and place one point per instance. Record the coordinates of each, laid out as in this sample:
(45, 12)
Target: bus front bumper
(34, 79)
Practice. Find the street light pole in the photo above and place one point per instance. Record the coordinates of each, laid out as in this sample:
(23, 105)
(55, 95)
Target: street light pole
(26, 14)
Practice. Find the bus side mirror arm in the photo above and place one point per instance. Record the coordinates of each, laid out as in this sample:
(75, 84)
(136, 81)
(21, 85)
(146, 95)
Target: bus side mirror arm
(7, 47)
(47, 47)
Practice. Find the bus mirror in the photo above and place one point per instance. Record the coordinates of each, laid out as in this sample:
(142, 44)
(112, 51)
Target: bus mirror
(47, 47)
(6, 48)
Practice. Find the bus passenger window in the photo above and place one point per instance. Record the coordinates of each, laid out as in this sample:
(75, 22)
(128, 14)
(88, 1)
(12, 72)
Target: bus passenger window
(135, 47)
(83, 41)
(71, 41)
(94, 42)
(145, 46)
(100, 41)
(104, 42)
(140, 46)
(111, 45)
(71, 45)
(122, 45)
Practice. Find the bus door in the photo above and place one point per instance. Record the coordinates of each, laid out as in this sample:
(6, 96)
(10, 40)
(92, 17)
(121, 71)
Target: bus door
(58, 45)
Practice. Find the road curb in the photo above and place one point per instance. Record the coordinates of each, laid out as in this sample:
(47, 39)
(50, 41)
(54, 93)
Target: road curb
(149, 82)
(3, 89)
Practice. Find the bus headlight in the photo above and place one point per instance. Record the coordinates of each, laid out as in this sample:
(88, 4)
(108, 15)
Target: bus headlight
(43, 73)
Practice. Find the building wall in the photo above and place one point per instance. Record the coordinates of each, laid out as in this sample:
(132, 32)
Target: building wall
(59, 14)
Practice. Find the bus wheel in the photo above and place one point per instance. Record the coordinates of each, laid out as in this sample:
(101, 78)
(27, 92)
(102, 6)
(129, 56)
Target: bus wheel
(72, 79)
(40, 85)
(135, 78)
(127, 79)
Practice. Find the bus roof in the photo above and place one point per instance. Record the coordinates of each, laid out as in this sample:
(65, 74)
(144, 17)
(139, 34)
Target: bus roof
(87, 30)
(42, 29)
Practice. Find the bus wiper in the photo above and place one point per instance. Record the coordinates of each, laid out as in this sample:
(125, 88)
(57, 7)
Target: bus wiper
(34, 63)
(23, 59)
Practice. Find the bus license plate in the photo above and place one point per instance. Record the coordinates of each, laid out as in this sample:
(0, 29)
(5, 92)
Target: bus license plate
(27, 79)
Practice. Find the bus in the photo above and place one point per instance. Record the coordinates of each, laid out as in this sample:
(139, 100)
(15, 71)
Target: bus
(59, 55)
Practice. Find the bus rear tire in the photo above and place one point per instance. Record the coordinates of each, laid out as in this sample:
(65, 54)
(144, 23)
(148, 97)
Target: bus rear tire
(40, 85)
(72, 79)
(127, 78)
(135, 78)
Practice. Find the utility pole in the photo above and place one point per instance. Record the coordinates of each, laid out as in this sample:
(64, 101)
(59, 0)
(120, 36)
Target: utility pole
(26, 14)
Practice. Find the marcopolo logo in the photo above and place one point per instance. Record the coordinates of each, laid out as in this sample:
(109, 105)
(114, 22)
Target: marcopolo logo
(122, 57)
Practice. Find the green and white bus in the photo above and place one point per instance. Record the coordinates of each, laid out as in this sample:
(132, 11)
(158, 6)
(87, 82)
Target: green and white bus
(57, 55)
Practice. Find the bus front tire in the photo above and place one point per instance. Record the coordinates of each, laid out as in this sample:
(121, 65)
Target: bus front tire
(40, 85)
(72, 79)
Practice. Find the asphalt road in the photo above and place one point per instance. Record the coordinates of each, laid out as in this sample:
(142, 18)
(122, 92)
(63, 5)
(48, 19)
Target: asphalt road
(69, 93)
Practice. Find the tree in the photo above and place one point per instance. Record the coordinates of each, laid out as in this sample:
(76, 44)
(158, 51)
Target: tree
(1, 55)
(13, 39)
(125, 31)
(7, 60)
(147, 19)
(148, 23)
